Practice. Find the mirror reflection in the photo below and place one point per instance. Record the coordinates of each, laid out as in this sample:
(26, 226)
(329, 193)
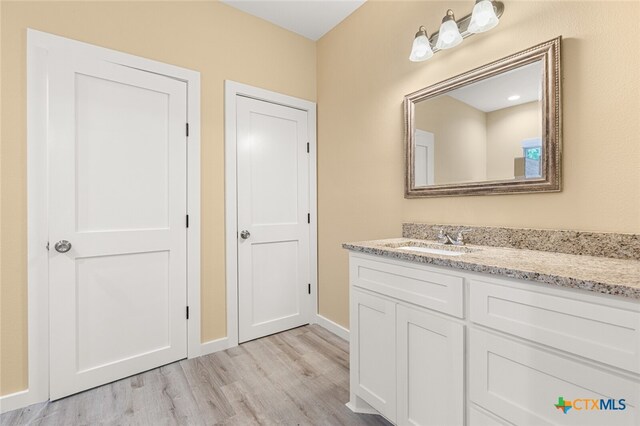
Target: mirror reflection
(491, 130)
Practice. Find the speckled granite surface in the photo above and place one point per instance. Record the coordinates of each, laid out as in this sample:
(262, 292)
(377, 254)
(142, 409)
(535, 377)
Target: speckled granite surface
(619, 277)
(617, 246)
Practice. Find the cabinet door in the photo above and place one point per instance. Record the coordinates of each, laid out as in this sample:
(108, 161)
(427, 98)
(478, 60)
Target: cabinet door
(373, 375)
(430, 357)
(530, 386)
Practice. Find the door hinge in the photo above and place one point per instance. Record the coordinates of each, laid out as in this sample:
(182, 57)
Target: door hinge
(187, 129)
(308, 217)
(307, 147)
(309, 288)
(47, 246)
(187, 312)
(187, 221)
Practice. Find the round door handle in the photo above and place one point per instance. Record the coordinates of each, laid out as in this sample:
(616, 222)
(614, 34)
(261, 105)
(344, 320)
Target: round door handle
(245, 234)
(62, 246)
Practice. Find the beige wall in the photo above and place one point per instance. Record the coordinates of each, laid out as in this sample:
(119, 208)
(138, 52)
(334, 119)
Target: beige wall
(460, 139)
(219, 41)
(363, 74)
(506, 128)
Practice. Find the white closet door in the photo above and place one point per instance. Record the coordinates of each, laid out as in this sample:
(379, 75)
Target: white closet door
(117, 174)
(273, 207)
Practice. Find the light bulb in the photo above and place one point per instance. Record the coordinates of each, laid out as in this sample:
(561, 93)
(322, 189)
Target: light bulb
(483, 17)
(421, 48)
(513, 98)
(449, 34)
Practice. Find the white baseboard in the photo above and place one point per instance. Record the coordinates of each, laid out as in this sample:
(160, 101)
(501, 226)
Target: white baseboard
(16, 400)
(333, 327)
(214, 346)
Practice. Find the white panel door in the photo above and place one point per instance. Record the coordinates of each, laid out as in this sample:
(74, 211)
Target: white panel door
(430, 379)
(117, 175)
(273, 229)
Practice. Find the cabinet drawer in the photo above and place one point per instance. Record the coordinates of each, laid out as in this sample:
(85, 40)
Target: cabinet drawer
(592, 330)
(415, 284)
(522, 384)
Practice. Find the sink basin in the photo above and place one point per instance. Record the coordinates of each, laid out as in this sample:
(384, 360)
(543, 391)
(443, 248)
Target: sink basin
(432, 250)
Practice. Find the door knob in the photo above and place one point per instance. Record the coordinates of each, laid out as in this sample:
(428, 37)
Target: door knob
(62, 246)
(245, 234)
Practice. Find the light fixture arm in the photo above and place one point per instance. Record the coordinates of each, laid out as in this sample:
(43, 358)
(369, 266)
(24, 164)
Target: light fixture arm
(463, 25)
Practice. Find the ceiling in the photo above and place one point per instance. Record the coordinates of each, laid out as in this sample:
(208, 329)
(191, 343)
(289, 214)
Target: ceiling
(492, 94)
(309, 18)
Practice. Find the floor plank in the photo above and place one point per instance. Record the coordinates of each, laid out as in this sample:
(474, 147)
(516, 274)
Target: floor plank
(297, 377)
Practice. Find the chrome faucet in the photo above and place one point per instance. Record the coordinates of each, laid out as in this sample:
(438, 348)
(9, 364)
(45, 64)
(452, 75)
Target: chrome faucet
(444, 238)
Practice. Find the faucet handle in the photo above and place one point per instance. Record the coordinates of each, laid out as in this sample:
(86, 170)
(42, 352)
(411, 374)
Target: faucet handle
(460, 237)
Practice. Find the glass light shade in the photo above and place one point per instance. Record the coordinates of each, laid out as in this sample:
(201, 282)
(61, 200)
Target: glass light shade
(483, 17)
(421, 49)
(449, 35)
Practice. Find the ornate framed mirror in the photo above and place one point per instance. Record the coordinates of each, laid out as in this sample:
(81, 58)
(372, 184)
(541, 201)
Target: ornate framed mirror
(493, 130)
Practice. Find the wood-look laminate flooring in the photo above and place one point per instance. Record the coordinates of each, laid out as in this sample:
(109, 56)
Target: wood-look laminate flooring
(297, 377)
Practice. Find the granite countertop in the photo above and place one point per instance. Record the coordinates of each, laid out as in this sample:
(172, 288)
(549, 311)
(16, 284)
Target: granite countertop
(617, 277)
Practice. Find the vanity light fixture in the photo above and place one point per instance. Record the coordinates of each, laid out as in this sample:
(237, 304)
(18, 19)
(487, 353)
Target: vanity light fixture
(421, 49)
(485, 16)
(513, 98)
(449, 35)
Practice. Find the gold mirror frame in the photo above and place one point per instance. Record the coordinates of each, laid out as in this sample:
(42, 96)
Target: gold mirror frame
(549, 54)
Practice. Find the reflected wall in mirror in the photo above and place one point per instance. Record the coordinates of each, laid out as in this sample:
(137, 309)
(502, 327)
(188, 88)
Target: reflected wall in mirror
(493, 130)
(484, 131)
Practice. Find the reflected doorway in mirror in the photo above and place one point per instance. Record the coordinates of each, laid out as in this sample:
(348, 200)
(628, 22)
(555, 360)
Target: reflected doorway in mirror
(425, 157)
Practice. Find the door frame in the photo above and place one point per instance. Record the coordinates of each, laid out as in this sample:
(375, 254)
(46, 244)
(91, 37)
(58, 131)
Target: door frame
(39, 45)
(233, 89)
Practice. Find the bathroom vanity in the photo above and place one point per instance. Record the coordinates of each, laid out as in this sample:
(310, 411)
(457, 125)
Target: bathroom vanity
(481, 335)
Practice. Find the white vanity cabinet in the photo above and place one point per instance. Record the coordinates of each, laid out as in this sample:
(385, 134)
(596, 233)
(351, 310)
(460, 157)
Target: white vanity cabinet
(440, 346)
(407, 362)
